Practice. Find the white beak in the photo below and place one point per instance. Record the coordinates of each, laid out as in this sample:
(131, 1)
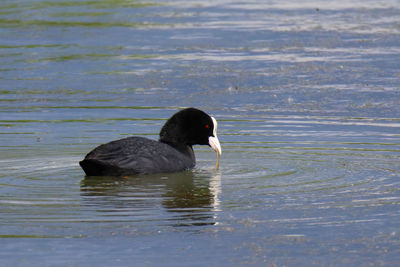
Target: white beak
(214, 143)
(213, 140)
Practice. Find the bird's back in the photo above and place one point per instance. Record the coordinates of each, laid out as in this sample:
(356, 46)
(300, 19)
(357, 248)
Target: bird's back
(135, 155)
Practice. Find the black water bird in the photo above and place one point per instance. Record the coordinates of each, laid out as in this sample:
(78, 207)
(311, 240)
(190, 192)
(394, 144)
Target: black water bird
(172, 153)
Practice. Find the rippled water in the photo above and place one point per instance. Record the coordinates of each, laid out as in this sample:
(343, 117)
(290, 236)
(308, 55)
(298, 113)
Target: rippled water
(307, 98)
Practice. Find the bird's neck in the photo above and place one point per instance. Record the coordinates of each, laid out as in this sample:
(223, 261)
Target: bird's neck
(183, 148)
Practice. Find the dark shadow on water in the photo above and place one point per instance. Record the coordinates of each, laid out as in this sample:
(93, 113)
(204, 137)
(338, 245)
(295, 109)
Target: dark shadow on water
(190, 198)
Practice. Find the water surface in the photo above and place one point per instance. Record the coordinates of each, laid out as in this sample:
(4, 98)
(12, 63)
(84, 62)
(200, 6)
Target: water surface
(307, 99)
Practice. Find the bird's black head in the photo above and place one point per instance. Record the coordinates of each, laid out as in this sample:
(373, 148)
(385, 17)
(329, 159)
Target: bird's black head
(190, 127)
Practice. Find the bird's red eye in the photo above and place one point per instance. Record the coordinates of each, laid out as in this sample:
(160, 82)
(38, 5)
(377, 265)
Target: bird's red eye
(207, 126)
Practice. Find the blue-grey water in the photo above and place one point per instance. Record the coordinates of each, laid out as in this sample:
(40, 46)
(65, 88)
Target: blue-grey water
(307, 96)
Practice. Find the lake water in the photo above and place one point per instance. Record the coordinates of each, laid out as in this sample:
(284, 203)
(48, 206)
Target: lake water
(307, 96)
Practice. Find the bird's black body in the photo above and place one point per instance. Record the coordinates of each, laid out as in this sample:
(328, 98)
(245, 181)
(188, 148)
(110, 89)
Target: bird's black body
(134, 155)
(139, 155)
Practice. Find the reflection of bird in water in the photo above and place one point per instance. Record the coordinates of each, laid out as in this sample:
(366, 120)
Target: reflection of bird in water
(172, 153)
(190, 197)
